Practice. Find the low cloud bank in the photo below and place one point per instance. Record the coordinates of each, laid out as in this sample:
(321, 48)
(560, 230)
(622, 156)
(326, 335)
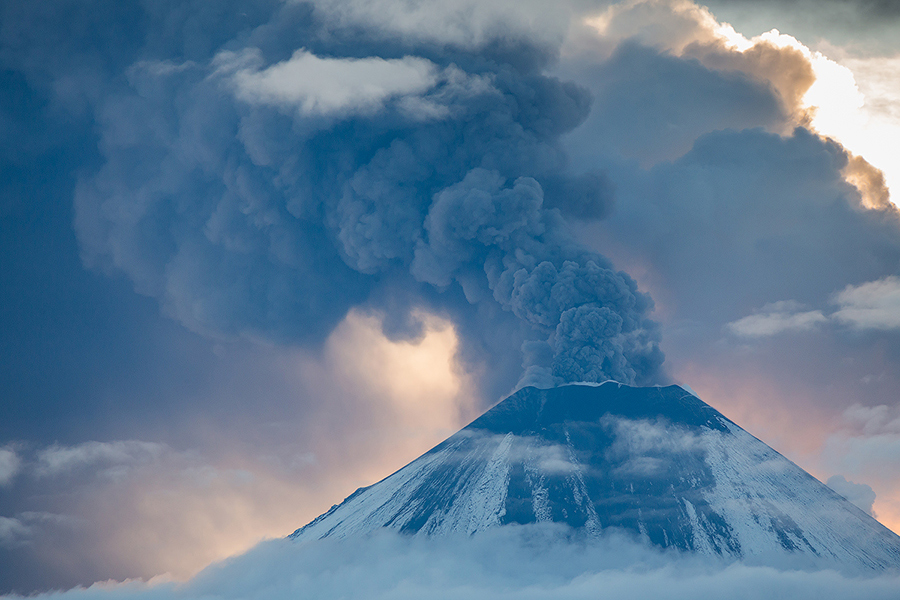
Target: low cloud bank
(510, 562)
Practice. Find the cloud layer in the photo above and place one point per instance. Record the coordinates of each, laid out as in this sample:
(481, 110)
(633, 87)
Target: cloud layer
(512, 562)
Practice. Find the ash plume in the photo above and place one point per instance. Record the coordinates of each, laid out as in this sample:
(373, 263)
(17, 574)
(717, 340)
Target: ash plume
(266, 188)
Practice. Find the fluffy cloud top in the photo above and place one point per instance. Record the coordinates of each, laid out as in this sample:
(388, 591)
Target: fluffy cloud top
(872, 305)
(775, 318)
(859, 494)
(323, 86)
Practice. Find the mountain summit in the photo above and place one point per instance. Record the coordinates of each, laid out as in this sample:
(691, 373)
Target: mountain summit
(657, 462)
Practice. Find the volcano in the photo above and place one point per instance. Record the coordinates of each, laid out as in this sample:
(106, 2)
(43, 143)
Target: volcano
(655, 462)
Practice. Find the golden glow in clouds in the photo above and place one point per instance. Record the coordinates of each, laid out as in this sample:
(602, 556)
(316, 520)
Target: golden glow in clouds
(366, 406)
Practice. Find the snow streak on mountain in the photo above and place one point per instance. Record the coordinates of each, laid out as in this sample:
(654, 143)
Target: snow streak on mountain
(656, 462)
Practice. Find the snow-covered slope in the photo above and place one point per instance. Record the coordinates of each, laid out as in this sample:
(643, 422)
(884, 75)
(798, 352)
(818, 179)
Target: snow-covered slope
(655, 461)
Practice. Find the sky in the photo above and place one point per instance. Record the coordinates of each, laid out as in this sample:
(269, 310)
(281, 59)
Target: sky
(258, 254)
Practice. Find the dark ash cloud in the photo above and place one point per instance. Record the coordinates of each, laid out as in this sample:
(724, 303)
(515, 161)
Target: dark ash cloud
(253, 204)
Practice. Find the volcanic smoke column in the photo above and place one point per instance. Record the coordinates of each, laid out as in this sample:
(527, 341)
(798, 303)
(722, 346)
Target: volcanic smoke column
(595, 317)
(251, 202)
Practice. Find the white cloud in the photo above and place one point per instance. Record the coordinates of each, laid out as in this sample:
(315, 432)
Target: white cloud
(872, 305)
(860, 494)
(9, 465)
(776, 318)
(866, 446)
(527, 563)
(873, 419)
(871, 125)
(113, 457)
(636, 437)
(325, 86)
(24, 527)
(865, 455)
(673, 25)
(12, 532)
(644, 448)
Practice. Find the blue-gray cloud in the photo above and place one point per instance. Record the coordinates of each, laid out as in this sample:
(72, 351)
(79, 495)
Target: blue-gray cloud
(651, 107)
(752, 214)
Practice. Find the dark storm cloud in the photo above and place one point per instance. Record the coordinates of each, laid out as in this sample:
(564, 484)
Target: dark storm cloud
(754, 233)
(757, 217)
